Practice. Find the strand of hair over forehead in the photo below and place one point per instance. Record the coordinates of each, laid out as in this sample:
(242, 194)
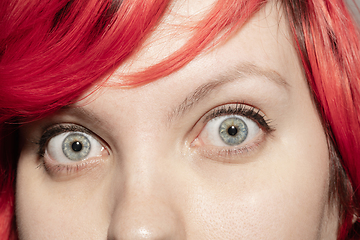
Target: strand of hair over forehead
(54, 50)
(72, 44)
(332, 66)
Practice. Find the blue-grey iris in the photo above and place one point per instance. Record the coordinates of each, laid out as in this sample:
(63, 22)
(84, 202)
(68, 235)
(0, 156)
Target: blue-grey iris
(76, 146)
(233, 131)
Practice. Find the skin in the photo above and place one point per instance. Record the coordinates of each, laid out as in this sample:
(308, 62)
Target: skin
(160, 177)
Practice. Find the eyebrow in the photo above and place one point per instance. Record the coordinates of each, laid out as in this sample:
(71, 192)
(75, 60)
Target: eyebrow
(199, 94)
(238, 72)
(83, 114)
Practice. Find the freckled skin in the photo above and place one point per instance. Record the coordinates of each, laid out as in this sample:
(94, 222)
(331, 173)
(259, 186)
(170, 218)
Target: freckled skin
(161, 180)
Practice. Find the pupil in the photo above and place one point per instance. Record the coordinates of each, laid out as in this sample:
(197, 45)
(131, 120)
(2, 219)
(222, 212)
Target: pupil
(232, 131)
(76, 146)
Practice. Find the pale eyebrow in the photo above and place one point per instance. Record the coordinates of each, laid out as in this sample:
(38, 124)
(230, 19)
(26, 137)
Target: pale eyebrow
(239, 72)
(83, 114)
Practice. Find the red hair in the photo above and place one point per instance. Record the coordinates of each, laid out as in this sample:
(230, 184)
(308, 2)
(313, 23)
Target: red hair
(70, 45)
(329, 46)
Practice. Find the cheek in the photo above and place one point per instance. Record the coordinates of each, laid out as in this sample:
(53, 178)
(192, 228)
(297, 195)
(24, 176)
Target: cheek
(276, 203)
(282, 195)
(46, 209)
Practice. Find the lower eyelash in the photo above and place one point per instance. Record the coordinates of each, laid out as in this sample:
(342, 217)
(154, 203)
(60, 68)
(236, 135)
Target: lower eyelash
(231, 152)
(61, 168)
(57, 168)
(54, 169)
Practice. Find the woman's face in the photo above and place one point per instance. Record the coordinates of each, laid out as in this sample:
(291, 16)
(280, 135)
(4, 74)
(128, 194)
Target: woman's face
(229, 147)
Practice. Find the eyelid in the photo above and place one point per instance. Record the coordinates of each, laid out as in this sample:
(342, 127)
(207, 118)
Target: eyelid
(58, 169)
(231, 154)
(95, 148)
(242, 109)
(226, 153)
(59, 129)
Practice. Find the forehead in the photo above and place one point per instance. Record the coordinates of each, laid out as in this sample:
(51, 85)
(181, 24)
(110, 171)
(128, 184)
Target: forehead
(263, 43)
(179, 25)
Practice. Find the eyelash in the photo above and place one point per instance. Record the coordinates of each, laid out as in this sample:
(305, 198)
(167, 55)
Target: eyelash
(56, 130)
(53, 132)
(243, 110)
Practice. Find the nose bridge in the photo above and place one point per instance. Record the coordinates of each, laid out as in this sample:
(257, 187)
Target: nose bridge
(146, 208)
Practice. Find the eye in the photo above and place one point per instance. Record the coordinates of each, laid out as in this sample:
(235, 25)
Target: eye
(66, 149)
(72, 147)
(229, 131)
